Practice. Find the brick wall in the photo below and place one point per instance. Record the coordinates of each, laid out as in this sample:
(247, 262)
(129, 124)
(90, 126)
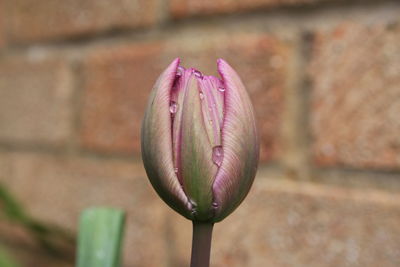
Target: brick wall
(324, 77)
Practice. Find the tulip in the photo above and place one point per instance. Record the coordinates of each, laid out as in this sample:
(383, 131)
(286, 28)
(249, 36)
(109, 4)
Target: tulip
(200, 145)
(199, 141)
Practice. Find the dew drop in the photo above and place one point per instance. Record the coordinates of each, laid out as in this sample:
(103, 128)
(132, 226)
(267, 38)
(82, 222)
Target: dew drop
(217, 155)
(179, 71)
(198, 74)
(215, 204)
(176, 170)
(221, 88)
(173, 107)
(194, 204)
(193, 207)
(201, 95)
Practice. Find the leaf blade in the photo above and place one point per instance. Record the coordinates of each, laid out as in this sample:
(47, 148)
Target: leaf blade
(100, 237)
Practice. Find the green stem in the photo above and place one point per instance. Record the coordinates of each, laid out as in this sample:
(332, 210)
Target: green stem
(201, 244)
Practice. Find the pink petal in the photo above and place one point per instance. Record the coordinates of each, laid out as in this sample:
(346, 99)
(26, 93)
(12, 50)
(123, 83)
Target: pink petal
(212, 107)
(157, 143)
(177, 96)
(240, 144)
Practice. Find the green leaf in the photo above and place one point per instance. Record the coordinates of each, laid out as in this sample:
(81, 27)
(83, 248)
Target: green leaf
(6, 260)
(52, 238)
(100, 237)
(10, 206)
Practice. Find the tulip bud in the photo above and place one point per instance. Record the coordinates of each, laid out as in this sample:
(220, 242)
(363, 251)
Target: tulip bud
(199, 141)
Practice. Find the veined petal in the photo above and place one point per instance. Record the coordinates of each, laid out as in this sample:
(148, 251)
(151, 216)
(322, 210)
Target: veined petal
(157, 144)
(240, 144)
(218, 95)
(177, 98)
(212, 107)
(197, 168)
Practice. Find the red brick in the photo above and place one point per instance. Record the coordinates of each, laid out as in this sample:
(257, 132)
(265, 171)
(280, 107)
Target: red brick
(185, 8)
(35, 100)
(284, 223)
(56, 189)
(355, 99)
(36, 20)
(117, 83)
(119, 79)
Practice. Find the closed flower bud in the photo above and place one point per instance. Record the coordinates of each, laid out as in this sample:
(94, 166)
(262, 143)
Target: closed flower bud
(199, 141)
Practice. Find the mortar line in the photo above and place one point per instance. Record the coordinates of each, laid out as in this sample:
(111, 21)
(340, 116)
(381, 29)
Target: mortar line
(61, 151)
(359, 170)
(77, 99)
(296, 128)
(295, 16)
(305, 103)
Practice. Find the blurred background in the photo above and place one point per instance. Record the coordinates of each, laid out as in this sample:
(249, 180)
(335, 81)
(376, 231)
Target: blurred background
(324, 77)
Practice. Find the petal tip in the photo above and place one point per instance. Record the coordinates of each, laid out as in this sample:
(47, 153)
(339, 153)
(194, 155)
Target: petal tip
(224, 69)
(221, 63)
(169, 73)
(175, 64)
(176, 61)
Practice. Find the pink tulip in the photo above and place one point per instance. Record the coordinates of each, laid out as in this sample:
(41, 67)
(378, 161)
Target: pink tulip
(199, 141)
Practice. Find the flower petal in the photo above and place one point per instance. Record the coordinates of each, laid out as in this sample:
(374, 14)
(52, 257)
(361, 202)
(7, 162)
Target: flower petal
(212, 106)
(240, 144)
(157, 144)
(177, 97)
(198, 170)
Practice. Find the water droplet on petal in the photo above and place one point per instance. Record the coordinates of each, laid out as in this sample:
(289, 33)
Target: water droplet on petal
(221, 88)
(193, 207)
(173, 107)
(198, 74)
(194, 204)
(176, 170)
(217, 155)
(180, 71)
(201, 95)
(215, 204)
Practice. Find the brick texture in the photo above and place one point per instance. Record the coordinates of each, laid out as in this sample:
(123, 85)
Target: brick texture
(63, 19)
(291, 224)
(355, 99)
(57, 188)
(118, 80)
(185, 8)
(35, 100)
(2, 22)
(117, 83)
(323, 76)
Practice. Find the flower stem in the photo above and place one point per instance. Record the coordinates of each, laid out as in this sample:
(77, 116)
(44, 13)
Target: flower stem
(201, 244)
